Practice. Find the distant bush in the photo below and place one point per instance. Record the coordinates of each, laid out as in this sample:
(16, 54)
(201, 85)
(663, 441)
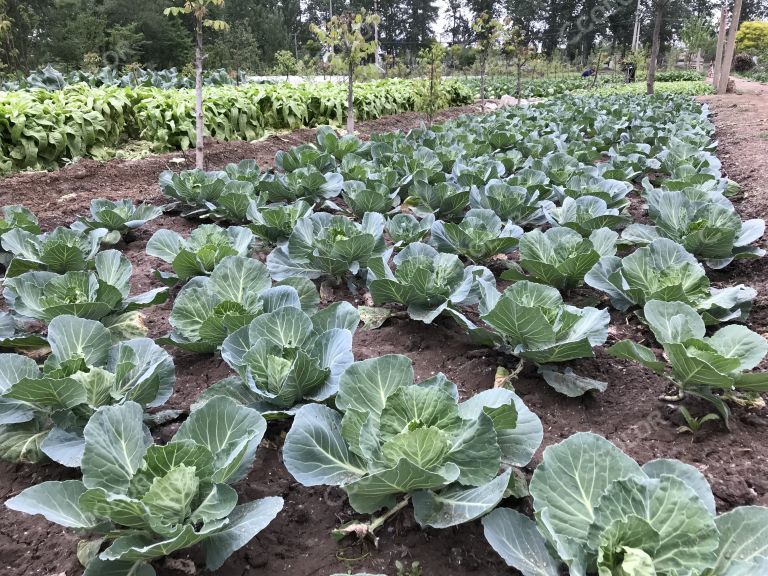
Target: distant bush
(743, 63)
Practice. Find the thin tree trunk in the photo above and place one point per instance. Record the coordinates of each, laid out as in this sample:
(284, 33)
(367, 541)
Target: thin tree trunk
(482, 81)
(698, 60)
(730, 47)
(654, 48)
(199, 130)
(718, 64)
(350, 101)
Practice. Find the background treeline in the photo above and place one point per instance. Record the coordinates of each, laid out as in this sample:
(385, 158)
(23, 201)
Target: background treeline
(77, 33)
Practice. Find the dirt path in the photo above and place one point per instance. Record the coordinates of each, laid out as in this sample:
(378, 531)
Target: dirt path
(297, 543)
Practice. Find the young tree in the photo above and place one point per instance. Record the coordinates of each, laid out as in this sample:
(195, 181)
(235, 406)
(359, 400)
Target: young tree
(431, 59)
(200, 10)
(349, 37)
(516, 47)
(285, 63)
(698, 36)
(487, 31)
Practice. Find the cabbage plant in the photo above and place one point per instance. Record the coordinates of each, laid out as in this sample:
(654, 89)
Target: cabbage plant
(514, 203)
(16, 216)
(663, 270)
(302, 156)
(444, 200)
(531, 321)
(330, 142)
(370, 196)
(478, 237)
(44, 410)
(102, 294)
(118, 217)
(210, 308)
(404, 229)
(196, 189)
(710, 231)
(391, 437)
(232, 205)
(656, 519)
(613, 192)
(287, 357)
(146, 500)
(206, 246)
(560, 257)
(274, 223)
(331, 245)
(306, 183)
(426, 282)
(697, 364)
(59, 251)
(585, 214)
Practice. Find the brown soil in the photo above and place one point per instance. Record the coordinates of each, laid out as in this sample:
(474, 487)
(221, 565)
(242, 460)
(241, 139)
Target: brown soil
(298, 541)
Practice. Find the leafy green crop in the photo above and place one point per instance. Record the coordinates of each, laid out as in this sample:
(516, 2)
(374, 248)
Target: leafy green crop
(61, 250)
(148, 500)
(710, 231)
(274, 223)
(118, 217)
(324, 244)
(514, 203)
(663, 270)
(444, 200)
(404, 229)
(44, 411)
(371, 196)
(16, 216)
(585, 214)
(560, 257)
(210, 308)
(195, 190)
(627, 520)
(103, 295)
(207, 245)
(391, 437)
(427, 282)
(478, 237)
(287, 357)
(699, 364)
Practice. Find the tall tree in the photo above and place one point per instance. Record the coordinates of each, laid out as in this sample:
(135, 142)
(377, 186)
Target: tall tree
(200, 11)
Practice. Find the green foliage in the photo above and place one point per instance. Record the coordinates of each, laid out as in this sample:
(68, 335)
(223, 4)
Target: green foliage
(148, 500)
(59, 251)
(391, 437)
(287, 357)
(44, 410)
(560, 257)
(752, 37)
(656, 519)
(531, 321)
(118, 217)
(663, 270)
(427, 282)
(198, 255)
(480, 235)
(321, 244)
(285, 63)
(210, 308)
(699, 365)
(102, 294)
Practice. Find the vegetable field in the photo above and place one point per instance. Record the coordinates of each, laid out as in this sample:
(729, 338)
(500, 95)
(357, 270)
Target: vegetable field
(40, 129)
(528, 341)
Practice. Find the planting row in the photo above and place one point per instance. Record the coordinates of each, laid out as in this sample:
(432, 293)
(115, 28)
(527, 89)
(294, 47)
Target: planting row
(427, 223)
(39, 129)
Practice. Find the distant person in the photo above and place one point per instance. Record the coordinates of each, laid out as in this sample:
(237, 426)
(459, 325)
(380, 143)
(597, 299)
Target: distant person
(629, 72)
(588, 72)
